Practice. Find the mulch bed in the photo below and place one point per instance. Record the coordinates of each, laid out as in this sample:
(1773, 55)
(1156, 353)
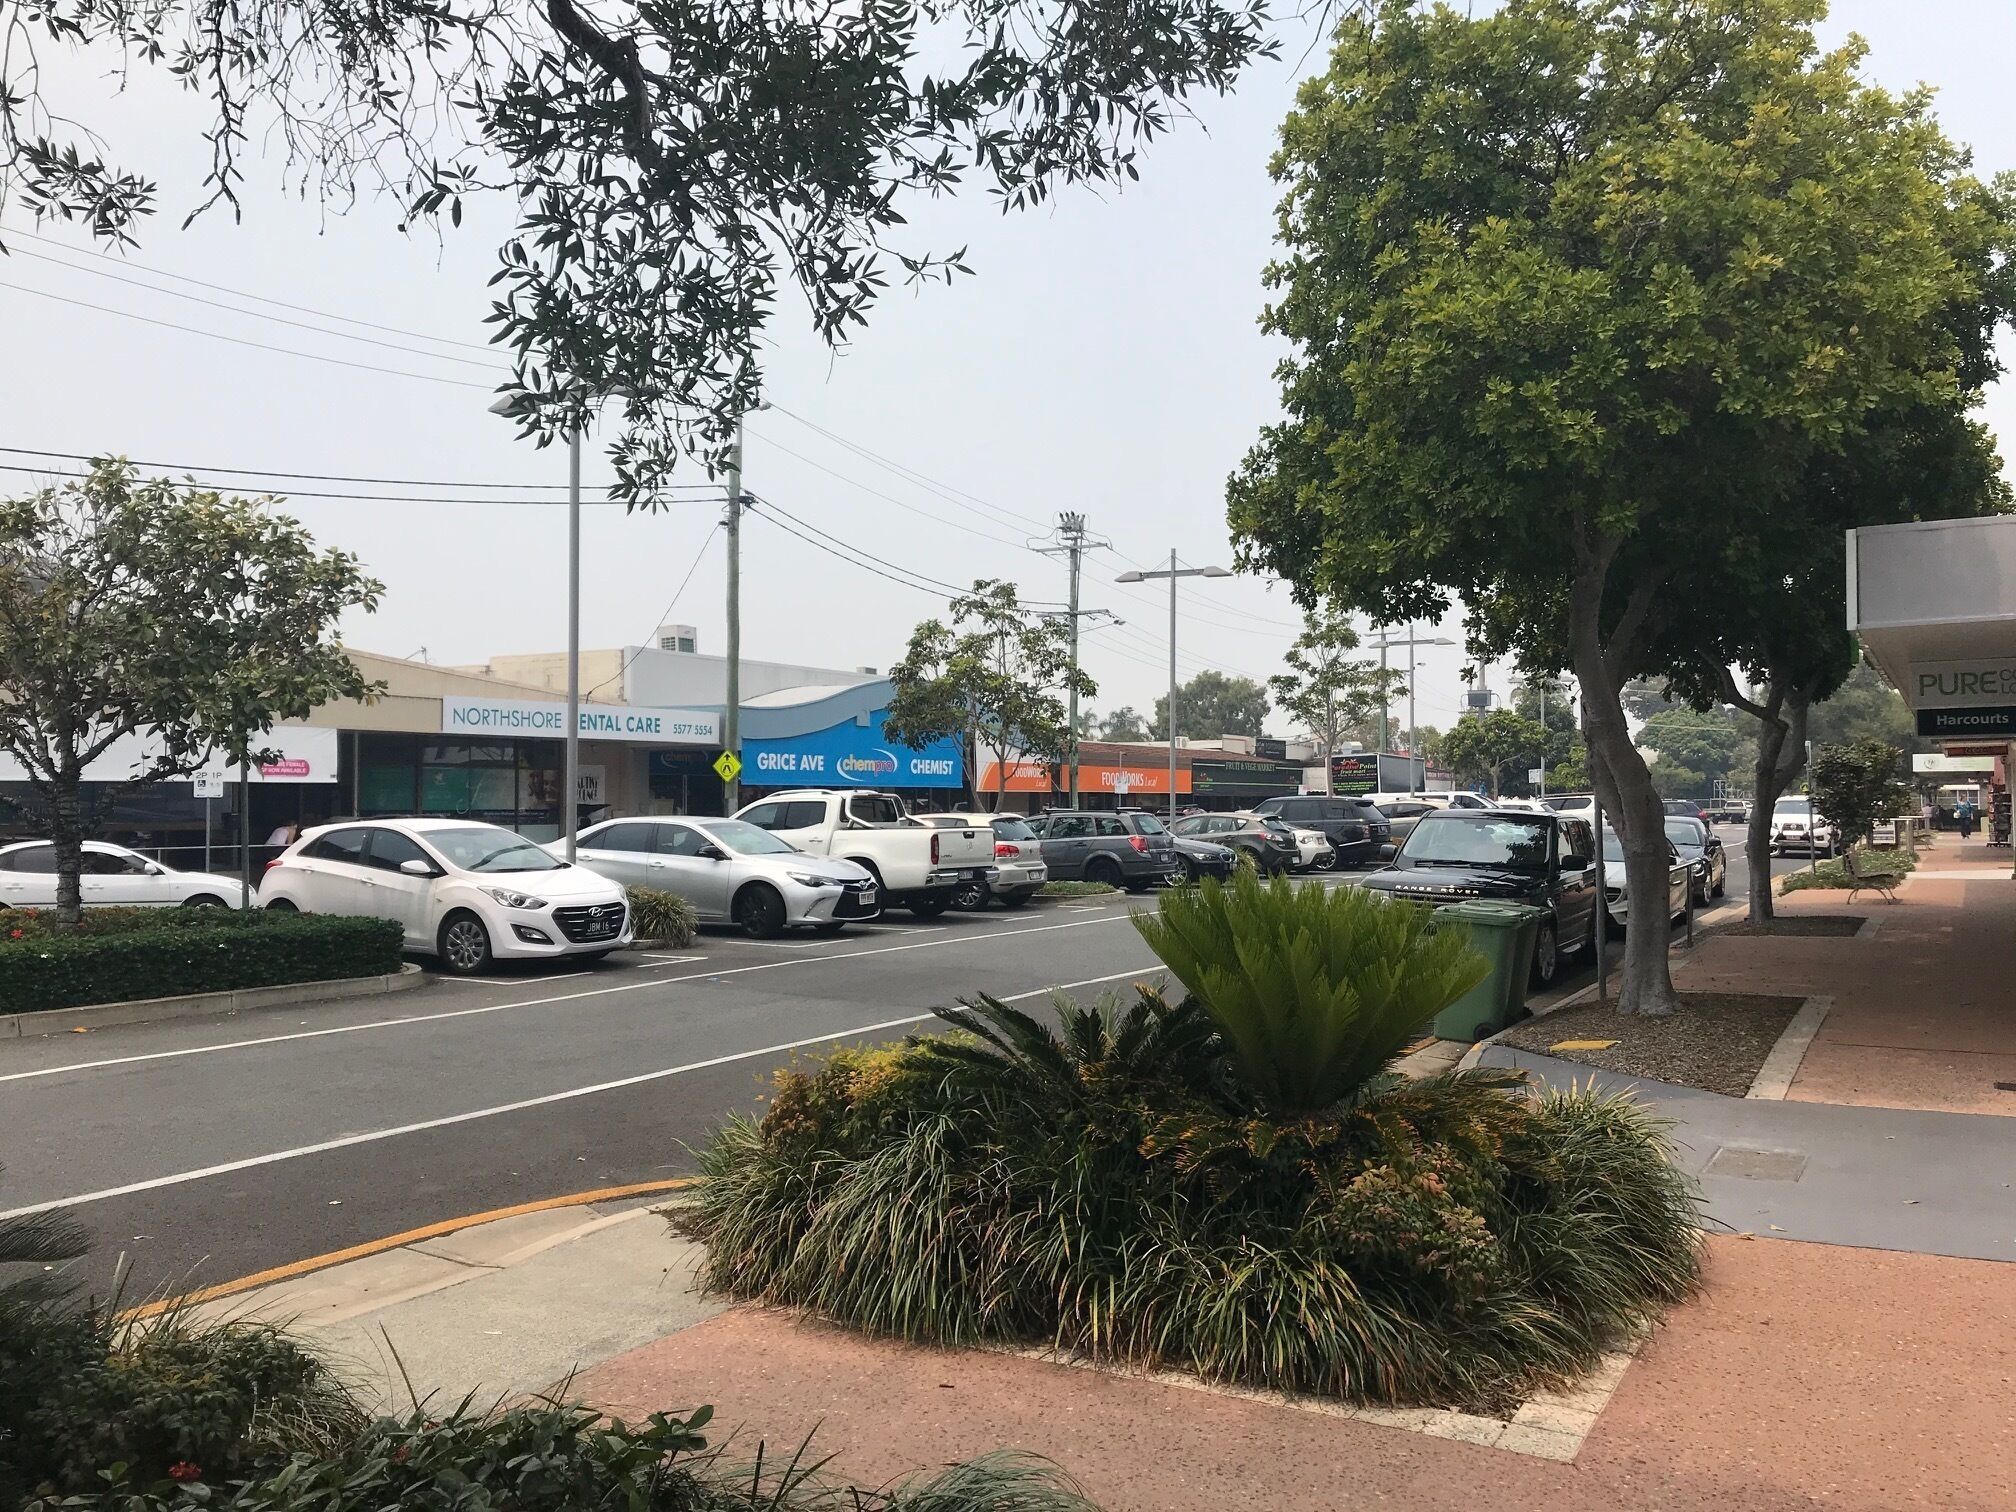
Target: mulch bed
(1831, 925)
(1716, 1041)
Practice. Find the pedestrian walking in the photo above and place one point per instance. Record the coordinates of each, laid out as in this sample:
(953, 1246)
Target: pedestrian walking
(1964, 812)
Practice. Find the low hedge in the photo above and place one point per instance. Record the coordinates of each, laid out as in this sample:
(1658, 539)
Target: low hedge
(656, 915)
(179, 951)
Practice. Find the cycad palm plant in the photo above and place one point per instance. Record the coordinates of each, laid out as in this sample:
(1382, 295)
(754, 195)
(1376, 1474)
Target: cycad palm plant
(1314, 990)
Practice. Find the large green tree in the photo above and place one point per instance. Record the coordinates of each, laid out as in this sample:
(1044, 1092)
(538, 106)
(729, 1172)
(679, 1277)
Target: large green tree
(1484, 747)
(673, 167)
(1576, 289)
(131, 607)
(1212, 704)
(1711, 743)
(1328, 691)
(994, 674)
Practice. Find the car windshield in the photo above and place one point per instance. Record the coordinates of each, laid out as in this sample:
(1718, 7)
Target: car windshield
(1793, 808)
(489, 848)
(1474, 839)
(1686, 834)
(746, 839)
(1012, 829)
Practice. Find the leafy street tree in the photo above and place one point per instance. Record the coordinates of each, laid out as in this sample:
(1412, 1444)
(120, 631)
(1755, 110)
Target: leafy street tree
(132, 608)
(1213, 704)
(671, 166)
(1326, 690)
(1855, 784)
(1565, 369)
(1482, 747)
(996, 676)
(1124, 724)
(1864, 707)
(1550, 703)
(1709, 745)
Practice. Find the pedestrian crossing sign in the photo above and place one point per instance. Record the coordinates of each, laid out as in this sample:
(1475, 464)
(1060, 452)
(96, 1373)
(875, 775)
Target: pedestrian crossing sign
(728, 766)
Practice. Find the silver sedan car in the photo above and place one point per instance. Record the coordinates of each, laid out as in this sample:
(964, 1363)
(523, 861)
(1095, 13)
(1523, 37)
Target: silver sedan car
(732, 873)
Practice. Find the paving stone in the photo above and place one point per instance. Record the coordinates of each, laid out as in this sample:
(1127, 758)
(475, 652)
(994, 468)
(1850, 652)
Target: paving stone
(1541, 1443)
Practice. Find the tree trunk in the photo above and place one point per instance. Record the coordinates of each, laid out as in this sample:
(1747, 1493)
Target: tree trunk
(1631, 804)
(66, 831)
(1781, 757)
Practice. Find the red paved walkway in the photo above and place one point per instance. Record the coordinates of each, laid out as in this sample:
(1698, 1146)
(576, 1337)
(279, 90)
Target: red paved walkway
(1924, 1011)
(1806, 1376)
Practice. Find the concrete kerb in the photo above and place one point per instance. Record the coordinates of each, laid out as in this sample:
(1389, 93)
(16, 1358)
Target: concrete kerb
(1774, 1077)
(209, 1004)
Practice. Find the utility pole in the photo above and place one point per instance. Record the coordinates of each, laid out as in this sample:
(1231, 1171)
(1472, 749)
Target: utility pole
(1073, 543)
(731, 706)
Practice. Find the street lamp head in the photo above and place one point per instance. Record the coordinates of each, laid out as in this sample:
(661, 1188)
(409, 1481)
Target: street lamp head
(1215, 572)
(1131, 577)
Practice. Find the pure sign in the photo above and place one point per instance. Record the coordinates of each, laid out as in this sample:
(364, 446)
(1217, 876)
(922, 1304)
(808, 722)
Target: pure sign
(1965, 697)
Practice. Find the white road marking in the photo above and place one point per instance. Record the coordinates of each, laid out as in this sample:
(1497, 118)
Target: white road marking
(565, 997)
(372, 1136)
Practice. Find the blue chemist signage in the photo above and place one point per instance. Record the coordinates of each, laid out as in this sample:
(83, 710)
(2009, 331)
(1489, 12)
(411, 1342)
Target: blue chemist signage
(851, 755)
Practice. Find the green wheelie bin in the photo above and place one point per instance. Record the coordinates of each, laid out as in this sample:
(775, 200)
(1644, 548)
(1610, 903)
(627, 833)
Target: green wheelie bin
(1503, 933)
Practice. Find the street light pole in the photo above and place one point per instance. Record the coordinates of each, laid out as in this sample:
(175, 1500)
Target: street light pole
(1410, 642)
(1172, 572)
(570, 777)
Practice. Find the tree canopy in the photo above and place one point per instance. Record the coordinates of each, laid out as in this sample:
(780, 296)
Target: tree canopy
(1576, 292)
(1212, 704)
(1486, 747)
(993, 674)
(1327, 691)
(131, 607)
(675, 167)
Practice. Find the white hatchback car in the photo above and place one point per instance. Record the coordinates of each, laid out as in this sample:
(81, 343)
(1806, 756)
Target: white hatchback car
(465, 892)
(112, 877)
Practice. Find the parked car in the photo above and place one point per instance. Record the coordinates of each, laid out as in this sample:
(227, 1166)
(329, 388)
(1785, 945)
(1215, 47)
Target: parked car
(1794, 826)
(1581, 805)
(465, 892)
(1686, 808)
(916, 866)
(1266, 840)
(1357, 831)
(1546, 860)
(1202, 859)
(110, 876)
(1313, 850)
(1402, 813)
(1726, 811)
(1617, 892)
(1436, 800)
(1703, 853)
(1128, 848)
(731, 873)
(1020, 870)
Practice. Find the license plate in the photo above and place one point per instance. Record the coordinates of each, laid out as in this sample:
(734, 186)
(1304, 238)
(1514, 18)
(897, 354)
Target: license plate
(595, 929)
(867, 896)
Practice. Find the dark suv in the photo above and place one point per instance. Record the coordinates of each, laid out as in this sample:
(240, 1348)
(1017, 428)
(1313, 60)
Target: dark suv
(1354, 826)
(1127, 848)
(1547, 860)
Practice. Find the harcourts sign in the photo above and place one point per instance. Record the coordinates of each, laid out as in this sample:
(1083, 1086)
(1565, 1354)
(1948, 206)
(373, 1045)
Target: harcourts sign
(851, 755)
(496, 716)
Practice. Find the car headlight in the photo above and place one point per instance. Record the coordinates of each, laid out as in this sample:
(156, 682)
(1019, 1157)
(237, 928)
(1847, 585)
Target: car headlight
(812, 879)
(512, 899)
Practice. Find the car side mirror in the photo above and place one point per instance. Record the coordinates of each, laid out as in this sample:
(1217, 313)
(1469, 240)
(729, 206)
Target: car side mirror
(1388, 852)
(1574, 861)
(415, 867)
(711, 853)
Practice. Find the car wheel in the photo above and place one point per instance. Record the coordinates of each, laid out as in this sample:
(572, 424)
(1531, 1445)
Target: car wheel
(1546, 955)
(281, 905)
(1721, 887)
(464, 943)
(1103, 869)
(829, 926)
(1192, 872)
(203, 900)
(929, 910)
(1017, 900)
(970, 897)
(759, 911)
(1328, 860)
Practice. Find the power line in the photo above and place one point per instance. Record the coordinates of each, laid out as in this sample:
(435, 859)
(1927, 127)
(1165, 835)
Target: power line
(850, 561)
(365, 367)
(665, 613)
(267, 472)
(194, 486)
(218, 304)
(954, 589)
(50, 241)
(944, 490)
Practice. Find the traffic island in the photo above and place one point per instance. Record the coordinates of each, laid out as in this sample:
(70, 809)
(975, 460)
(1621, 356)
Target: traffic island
(1716, 1041)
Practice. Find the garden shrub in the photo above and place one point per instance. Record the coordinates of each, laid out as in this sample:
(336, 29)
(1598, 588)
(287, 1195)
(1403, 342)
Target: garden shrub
(1135, 1185)
(172, 951)
(656, 915)
(1831, 873)
(553, 1457)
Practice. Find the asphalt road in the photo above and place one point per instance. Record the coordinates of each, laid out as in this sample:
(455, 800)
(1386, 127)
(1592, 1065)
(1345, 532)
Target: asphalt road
(201, 1151)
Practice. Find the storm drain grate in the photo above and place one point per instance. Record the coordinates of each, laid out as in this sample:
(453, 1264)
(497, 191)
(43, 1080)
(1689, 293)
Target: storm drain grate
(1757, 1165)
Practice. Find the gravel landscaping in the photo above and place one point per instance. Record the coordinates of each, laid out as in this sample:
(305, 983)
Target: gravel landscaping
(1834, 926)
(1716, 1041)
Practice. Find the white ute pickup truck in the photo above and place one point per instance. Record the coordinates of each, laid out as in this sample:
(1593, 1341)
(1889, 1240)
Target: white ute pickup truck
(920, 868)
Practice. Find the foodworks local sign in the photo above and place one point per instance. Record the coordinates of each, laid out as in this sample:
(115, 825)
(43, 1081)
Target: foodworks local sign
(539, 719)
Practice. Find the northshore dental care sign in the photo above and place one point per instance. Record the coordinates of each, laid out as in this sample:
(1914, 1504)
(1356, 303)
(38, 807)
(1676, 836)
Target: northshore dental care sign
(542, 720)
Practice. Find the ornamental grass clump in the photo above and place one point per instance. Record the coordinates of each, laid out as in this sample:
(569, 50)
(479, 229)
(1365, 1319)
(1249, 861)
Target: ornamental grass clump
(1232, 1182)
